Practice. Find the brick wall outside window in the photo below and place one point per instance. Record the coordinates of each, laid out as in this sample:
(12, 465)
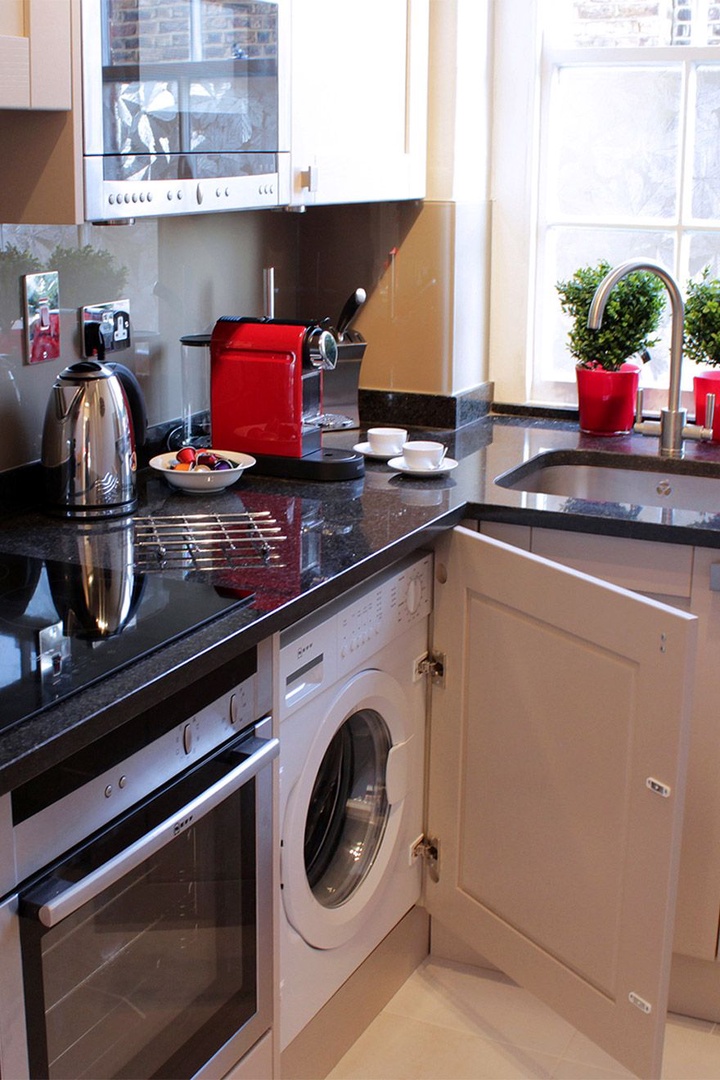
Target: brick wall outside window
(148, 31)
(634, 23)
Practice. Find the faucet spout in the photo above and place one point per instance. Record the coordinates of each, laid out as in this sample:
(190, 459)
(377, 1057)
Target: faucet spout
(672, 418)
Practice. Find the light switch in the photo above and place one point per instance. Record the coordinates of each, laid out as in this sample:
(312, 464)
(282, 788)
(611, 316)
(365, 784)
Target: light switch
(42, 316)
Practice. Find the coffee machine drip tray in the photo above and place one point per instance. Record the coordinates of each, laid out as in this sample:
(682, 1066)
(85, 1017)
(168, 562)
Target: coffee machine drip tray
(328, 463)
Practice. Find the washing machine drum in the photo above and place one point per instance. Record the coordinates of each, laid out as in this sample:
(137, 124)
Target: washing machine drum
(343, 817)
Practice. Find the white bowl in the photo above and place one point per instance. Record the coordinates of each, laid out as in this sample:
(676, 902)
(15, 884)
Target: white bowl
(200, 481)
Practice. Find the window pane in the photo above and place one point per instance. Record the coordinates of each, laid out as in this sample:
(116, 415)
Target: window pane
(706, 156)
(704, 251)
(616, 142)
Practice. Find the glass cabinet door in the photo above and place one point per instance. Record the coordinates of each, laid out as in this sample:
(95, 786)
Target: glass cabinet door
(185, 87)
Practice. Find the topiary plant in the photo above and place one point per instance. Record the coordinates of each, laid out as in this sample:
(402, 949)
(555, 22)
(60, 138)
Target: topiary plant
(702, 320)
(631, 317)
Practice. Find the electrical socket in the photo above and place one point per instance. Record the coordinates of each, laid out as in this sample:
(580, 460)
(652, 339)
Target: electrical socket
(105, 328)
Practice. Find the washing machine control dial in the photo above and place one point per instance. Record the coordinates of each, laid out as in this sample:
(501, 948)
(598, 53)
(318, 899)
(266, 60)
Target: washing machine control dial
(414, 594)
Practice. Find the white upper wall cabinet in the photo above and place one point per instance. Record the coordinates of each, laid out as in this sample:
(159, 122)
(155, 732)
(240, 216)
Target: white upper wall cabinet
(359, 100)
(35, 54)
(358, 87)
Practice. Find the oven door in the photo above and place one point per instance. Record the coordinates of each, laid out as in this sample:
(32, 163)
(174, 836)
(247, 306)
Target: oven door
(148, 951)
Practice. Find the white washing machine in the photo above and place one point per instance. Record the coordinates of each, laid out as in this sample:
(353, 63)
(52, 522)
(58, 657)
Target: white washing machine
(352, 759)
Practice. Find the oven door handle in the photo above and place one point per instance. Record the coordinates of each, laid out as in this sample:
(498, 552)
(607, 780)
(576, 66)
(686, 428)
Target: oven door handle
(54, 899)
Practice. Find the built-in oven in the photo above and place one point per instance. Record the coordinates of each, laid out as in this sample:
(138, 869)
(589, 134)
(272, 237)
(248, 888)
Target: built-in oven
(137, 940)
(185, 106)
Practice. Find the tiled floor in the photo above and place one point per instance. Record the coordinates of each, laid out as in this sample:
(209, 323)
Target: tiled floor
(450, 1023)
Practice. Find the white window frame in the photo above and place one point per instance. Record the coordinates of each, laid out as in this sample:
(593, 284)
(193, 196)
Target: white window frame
(523, 73)
(513, 164)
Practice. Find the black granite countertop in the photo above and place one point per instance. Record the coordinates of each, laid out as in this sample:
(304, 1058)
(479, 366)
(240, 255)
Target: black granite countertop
(338, 534)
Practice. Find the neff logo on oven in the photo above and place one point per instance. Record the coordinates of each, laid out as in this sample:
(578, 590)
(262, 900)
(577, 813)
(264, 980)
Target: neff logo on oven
(180, 825)
(304, 649)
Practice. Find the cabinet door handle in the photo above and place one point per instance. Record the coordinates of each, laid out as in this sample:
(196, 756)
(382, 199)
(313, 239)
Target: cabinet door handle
(309, 178)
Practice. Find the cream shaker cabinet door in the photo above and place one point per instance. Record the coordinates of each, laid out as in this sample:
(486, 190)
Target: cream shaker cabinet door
(35, 54)
(687, 577)
(359, 100)
(557, 770)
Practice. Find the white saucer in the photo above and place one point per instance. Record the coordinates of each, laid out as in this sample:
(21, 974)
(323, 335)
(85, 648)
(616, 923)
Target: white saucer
(364, 448)
(402, 466)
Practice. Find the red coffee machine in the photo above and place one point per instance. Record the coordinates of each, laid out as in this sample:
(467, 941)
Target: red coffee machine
(266, 396)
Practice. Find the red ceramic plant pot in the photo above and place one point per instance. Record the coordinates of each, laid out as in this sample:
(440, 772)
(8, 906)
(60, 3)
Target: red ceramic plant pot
(606, 399)
(707, 383)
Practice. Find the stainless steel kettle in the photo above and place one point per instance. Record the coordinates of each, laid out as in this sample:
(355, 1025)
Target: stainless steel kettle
(88, 446)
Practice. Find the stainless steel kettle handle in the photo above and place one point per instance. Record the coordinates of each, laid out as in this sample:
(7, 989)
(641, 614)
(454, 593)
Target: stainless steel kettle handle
(135, 399)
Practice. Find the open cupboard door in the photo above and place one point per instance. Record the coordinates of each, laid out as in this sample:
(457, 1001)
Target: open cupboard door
(557, 769)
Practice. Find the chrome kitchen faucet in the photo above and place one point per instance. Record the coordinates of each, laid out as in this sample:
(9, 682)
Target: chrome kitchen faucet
(672, 427)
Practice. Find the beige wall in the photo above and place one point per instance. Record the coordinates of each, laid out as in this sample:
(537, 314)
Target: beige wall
(400, 254)
(413, 312)
(410, 308)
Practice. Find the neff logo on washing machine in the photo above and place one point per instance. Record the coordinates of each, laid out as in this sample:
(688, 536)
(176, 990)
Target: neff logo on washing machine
(303, 650)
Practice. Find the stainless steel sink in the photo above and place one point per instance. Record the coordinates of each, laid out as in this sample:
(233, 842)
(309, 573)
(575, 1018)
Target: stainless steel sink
(617, 478)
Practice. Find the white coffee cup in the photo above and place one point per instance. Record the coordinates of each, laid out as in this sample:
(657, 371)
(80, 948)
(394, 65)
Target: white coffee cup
(423, 454)
(386, 440)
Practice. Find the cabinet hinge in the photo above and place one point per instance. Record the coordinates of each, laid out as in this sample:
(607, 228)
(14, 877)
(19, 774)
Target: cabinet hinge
(432, 665)
(427, 849)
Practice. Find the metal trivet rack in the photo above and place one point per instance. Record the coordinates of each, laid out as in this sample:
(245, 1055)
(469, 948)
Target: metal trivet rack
(208, 542)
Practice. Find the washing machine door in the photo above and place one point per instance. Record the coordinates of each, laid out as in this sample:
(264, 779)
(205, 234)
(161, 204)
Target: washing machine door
(342, 824)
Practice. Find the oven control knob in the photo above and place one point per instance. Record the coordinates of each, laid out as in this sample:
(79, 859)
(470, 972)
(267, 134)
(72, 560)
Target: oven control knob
(240, 706)
(236, 709)
(187, 739)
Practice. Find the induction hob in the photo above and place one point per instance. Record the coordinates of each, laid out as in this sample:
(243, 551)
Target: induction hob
(64, 627)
